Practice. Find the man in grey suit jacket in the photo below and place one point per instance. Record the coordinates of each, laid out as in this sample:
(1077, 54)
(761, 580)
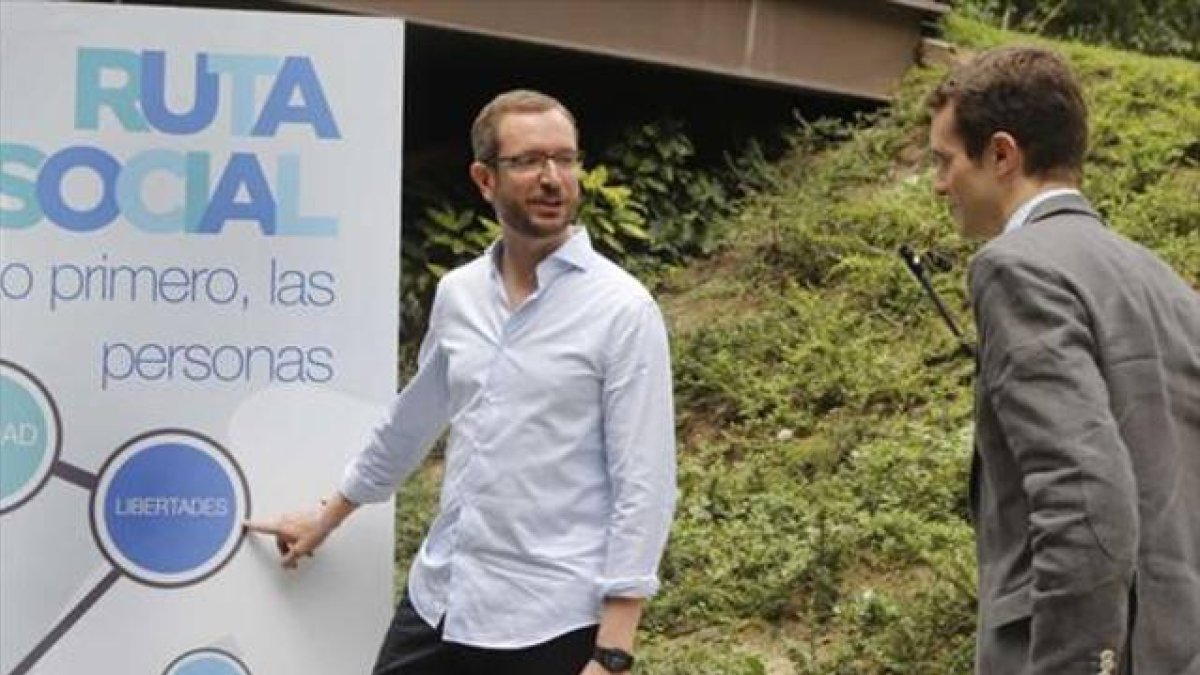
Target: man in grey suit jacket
(1086, 479)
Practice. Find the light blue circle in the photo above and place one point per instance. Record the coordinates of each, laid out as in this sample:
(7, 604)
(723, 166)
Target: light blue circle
(24, 443)
(171, 508)
(208, 663)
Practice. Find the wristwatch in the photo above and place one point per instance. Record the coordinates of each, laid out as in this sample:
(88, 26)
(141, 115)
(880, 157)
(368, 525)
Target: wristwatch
(613, 660)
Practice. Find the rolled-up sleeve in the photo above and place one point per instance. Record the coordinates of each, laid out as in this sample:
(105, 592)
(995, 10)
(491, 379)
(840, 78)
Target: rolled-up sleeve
(415, 419)
(639, 433)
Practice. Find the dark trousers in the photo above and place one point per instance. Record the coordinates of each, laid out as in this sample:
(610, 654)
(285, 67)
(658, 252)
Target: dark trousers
(413, 647)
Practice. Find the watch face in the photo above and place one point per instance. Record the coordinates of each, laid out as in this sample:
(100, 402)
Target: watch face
(614, 660)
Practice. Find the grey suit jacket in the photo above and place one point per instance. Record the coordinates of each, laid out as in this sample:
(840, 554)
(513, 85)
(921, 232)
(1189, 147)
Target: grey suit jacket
(1086, 484)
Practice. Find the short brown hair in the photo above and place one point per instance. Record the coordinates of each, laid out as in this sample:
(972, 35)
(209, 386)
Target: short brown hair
(485, 132)
(1028, 92)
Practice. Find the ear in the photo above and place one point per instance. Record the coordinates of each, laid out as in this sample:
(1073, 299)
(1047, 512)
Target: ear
(1007, 155)
(484, 178)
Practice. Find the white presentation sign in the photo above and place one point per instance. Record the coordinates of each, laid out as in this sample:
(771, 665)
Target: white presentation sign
(199, 245)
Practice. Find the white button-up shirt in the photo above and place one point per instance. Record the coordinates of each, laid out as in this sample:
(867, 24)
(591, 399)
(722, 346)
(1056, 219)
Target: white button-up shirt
(559, 483)
(1017, 220)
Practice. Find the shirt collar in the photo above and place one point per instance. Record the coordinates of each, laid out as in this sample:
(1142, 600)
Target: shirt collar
(574, 253)
(1017, 220)
(577, 251)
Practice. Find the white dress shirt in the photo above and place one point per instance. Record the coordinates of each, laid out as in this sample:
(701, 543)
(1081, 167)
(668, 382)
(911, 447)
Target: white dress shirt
(559, 482)
(1017, 220)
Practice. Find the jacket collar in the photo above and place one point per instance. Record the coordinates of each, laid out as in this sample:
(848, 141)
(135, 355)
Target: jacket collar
(1063, 204)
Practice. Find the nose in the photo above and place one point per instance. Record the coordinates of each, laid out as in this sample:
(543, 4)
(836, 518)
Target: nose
(939, 184)
(548, 168)
(549, 175)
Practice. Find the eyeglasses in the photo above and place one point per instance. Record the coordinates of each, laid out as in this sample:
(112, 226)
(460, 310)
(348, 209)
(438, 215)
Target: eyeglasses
(534, 162)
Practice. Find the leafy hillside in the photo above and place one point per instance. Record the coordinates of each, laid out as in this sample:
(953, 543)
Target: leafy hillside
(824, 417)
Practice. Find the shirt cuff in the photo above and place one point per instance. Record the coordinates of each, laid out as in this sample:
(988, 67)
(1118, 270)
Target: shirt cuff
(629, 587)
(360, 491)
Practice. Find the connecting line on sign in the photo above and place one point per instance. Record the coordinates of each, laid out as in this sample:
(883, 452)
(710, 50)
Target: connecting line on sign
(60, 629)
(88, 481)
(75, 475)
(166, 507)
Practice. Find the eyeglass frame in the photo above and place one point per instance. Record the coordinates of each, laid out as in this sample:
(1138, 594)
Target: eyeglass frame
(535, 162)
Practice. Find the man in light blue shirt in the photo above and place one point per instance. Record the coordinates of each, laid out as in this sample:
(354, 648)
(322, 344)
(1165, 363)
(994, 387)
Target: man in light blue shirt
(550, 365)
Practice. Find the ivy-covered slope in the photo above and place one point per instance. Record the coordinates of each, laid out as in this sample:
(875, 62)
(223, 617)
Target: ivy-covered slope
(824, 417)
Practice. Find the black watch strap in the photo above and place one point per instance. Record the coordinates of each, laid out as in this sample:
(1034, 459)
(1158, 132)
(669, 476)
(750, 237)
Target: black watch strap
(613, 660)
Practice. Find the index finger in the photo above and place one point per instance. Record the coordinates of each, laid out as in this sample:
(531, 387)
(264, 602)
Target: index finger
(262, 527)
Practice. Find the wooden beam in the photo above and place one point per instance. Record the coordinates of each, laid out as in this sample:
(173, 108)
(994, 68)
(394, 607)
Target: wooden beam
(857, 48)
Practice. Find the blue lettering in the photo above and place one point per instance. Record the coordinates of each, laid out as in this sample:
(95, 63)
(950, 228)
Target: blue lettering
(184, 205)
(198, 167)
(49, 188)
(121, 100)
(288, 191)
(154, 96)
(244, 71)
(18, 187)
(297, 77)
(129, 190)
(243, 171)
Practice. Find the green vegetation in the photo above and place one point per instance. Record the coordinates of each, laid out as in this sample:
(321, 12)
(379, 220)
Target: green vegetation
(1165, 27)
(824, 420)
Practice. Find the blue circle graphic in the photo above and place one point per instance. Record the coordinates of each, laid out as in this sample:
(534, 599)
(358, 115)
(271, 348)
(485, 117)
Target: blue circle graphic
(30, 435)
(208, 665)
(207, 662)
(23, 439)
(171, 508)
